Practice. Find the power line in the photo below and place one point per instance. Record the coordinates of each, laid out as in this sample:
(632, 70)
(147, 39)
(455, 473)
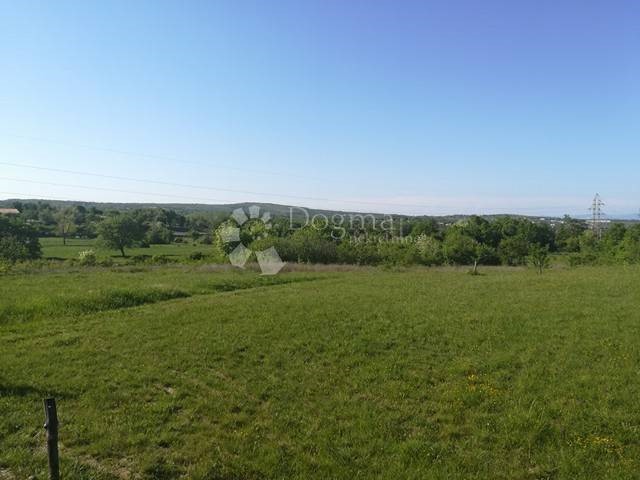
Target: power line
(68, 199)
(245, 192)
(117, 190)
(134, 192)
(49, 197)
(203, 187)
(159, 182)
(162, 157)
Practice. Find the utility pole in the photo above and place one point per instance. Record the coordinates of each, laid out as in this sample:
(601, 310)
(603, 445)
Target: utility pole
(596, 216)
(51, 425)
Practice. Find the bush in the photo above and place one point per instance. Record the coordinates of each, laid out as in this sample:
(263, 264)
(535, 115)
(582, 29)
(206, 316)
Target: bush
(137, 259)
(486, 255)
(196, 256)
(161, 259)
(430, 250)
(304, 246)
(18, 241)
(106, 262)
(578, 259)
(5, 266)
(311, 247)
(459, 249)
(539, 258)
(514, 250)
(87, 258)
(358, 253)
(399, 254)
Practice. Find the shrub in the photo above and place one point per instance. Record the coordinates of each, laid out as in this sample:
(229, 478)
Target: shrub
(18, 241)
(539, 258)
(5, 266)
(87, 258)
(196, 256)
(430, 250)
(358, 253)
(106, 262)
(459, 249)
(136, 259)
(311, 247)
(161, 259)
(397, 253)
(514, 250)
(304, 246)
(486, 255)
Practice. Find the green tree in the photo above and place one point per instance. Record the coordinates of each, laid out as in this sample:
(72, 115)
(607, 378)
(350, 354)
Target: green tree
(483, 255)
(195, 235)
(430, 250)
(514, 250)
(398, 253)
(458, 248)
(159, 234)
(358, 252)
(120, 231)
(481, 230)
(630, 245)
(427, 227)
(539, 257)
(65, 223)
(568, 234)
(312, 246)
(18, 241)
(615, 233)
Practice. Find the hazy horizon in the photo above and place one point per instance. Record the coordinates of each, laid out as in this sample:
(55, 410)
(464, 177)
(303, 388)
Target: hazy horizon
(185, 205)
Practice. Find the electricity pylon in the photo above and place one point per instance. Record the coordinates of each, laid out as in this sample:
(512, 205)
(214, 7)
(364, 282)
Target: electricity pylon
(596, 216)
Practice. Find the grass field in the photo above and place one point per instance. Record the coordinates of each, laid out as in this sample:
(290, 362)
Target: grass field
(52, 247)
(201, 373)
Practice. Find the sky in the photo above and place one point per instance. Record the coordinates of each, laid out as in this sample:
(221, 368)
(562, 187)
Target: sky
(425, 107)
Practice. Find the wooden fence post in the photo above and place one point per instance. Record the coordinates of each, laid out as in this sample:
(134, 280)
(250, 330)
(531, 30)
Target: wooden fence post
(51, 425)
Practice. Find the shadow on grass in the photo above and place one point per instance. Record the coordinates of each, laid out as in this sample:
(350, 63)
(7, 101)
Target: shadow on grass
(24, 390)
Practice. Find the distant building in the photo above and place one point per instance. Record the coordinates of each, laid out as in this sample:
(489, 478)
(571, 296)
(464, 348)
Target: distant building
(9, 211)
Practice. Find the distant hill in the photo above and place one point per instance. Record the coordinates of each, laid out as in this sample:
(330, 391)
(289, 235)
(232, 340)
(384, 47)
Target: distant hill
(276, 210)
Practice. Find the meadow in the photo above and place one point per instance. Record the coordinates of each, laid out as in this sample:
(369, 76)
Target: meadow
(53, 248)
(201, 372)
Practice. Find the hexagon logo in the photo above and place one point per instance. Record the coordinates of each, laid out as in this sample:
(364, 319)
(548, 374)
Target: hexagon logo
(269, 261)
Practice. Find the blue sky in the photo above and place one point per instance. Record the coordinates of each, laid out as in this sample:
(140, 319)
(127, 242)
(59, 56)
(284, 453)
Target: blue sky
(392, 106)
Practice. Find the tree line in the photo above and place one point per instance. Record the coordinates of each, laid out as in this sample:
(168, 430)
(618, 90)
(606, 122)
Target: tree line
(472, 240)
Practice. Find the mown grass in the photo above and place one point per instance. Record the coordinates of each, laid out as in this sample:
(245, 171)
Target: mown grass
(53, 247)
(415, 374)
(64, 292)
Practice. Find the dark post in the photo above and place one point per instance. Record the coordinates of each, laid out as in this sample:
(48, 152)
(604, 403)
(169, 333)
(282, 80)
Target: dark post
(51, 425)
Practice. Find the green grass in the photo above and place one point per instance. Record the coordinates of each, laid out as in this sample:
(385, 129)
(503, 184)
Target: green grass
(52, 247)
(67, 292)
(364, 374)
